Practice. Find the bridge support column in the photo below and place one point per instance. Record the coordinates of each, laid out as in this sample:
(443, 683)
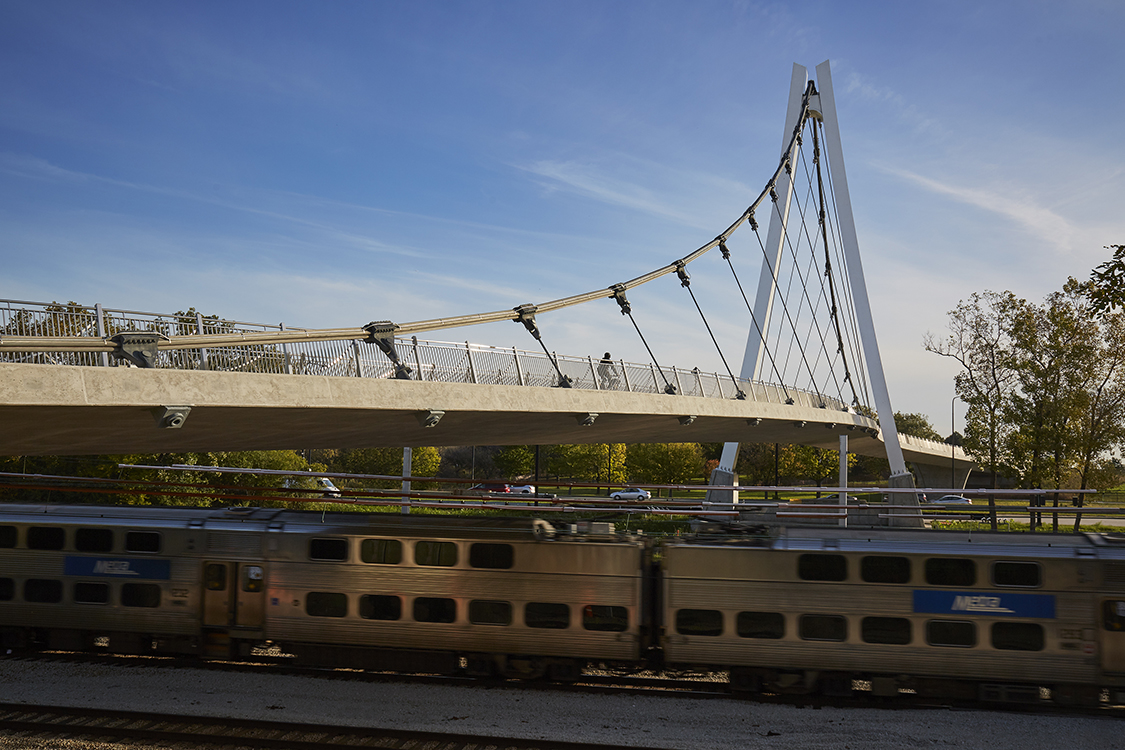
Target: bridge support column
(723, 477)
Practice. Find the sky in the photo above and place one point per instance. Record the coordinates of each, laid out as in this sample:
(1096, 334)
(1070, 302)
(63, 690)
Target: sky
(328, 164)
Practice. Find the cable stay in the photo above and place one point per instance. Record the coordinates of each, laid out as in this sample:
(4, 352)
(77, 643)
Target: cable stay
(828, 266)
(753, 318)
(685, 282)
(618, 294)
(526, 315)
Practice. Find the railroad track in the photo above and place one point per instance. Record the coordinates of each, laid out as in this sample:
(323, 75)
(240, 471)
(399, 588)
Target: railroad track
(172, 730)
(695, 686)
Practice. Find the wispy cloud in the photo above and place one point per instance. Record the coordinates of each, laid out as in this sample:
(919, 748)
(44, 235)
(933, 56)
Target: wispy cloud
(862, 86)
(1023, 210)
(592, 182)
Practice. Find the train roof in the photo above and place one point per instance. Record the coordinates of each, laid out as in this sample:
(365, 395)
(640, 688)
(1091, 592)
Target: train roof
(920, 541)
(327, 522)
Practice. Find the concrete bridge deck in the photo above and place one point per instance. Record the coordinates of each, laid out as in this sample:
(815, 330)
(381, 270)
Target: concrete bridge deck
(66, 410)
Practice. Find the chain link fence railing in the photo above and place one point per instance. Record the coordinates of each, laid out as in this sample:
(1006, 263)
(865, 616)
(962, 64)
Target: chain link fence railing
(435, 361)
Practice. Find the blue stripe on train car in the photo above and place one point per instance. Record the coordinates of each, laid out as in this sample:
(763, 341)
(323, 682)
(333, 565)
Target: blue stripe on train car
(118, 567)
(993, 604)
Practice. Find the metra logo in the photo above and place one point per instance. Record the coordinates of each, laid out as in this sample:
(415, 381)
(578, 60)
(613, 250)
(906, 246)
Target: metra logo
(980, 604)
(975, 603)
(113, 568)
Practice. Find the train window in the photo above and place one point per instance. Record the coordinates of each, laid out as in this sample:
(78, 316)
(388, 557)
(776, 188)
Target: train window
(42, 591)
(140, 595)
(433, 609)
(823, 628)
(1017, 636)
(605, 618)
(8, 589)
(1023, 574)
(326, 604)
(215, 577)
(91, 593)
(822, 567)
(7, 537)
(93, 540)
(1113, 614)
(546, 615)
(380, 607)
(951, 633)
(484, 612)
(381, 551)
(45, 537)
(894, 630)
(885, 569)
(335, 550)
(252, 578)
(760, 625)
(440, 554)
(482, 555)
(142, 541)
(951, 571)
(699, 622)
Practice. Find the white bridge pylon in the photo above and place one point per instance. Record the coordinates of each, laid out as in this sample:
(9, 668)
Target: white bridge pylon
(817, 103)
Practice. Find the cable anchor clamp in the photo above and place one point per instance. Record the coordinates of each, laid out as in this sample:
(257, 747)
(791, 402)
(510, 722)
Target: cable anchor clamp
(526, 315)
(681, 271)
(619, 298)
(723, 249)
(139, 347)
(382, 334)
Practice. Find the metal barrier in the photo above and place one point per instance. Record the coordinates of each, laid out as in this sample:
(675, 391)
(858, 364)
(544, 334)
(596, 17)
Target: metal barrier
(436, 361)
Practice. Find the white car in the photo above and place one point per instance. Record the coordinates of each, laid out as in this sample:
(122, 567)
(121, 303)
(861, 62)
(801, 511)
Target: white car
(631, 494)
(522, 489)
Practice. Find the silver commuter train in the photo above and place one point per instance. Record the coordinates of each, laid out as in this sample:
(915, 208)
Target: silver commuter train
(969, 615)
(942, 614)
(378, 591)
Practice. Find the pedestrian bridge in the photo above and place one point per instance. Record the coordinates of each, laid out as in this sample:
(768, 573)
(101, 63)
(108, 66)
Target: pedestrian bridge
(82, 380)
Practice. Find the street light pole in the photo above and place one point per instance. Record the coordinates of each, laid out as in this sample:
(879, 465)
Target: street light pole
(953, 445)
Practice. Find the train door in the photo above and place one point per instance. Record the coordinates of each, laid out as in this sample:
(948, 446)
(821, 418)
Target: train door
(1113, 635)
(233, 595)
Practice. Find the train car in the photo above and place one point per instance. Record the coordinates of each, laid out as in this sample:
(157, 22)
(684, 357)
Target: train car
(979, 616)
(381, 591)
(509, 597)
(85, 577)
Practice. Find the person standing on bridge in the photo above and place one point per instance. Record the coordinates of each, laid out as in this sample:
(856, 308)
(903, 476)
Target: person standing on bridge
(607, 373)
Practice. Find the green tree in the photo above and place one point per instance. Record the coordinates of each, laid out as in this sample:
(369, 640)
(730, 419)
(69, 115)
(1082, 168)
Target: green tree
(917, 425)
(665, 463)
(980, 341)
(515, 460)
(1106, 288)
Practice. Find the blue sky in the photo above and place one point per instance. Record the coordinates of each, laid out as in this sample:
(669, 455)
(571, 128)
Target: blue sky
(327, 164)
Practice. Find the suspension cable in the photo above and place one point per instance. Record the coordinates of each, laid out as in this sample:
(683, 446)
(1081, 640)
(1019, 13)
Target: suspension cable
(685, 282)
(828, 265)
(526, 315)
(618, 294)
(753, 318)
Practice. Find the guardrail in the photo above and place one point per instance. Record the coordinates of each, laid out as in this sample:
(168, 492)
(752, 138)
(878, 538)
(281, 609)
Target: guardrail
(434, 361)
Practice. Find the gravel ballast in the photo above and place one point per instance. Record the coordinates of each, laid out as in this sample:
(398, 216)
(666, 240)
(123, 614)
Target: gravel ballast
(665, 721)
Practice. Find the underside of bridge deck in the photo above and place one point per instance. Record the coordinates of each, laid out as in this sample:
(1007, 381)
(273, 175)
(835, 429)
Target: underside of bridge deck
(55, 410)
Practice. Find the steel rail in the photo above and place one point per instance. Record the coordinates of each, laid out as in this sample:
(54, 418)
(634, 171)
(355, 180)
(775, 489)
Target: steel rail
(193, 730)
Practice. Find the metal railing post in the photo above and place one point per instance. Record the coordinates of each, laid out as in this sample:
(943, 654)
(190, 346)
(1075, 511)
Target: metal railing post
(417, 358)
(519, 370)
(472, 369)
(676, 375)
(355, 351)
(203, 364)
(285, 354)
(103, 357)
(625, 377)
(593, 373)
